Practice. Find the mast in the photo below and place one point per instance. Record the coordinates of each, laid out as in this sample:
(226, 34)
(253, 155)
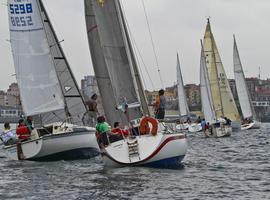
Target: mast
(216, 70)
(75, 108)
(212, 70)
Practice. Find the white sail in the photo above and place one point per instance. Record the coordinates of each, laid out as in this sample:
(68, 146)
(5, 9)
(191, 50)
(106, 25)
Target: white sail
(206, 95)
(34, 66)
(182, 100)
(224, 103)
(241, 86)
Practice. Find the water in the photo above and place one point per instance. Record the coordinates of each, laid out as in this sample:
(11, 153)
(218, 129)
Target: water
(237, 167)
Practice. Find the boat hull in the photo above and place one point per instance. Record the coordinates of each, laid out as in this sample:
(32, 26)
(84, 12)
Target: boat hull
(252, 125)
(219, 132)
(64, 146)
(195, 127)
(161, 151)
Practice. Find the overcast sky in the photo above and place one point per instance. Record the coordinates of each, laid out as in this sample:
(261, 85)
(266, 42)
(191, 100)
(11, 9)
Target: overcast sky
(176, 25)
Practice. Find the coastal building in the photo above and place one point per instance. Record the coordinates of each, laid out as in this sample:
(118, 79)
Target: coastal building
(11, 97)
(10, 114)
(193, 95)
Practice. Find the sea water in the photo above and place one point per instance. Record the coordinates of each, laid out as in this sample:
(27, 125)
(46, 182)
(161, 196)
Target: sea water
(236, 167)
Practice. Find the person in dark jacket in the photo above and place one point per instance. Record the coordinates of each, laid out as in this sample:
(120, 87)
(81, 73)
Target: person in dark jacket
(160, 105)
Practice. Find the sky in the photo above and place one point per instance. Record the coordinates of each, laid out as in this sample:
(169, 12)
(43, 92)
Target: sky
(176, 26)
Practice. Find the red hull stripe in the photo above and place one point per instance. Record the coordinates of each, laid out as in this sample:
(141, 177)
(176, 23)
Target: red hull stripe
(152, 155)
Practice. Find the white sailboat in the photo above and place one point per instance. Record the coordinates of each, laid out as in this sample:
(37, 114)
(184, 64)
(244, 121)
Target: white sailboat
(249, 115)
(182, 104)
(48, 89)
(216, 127)
(223, 100)
(118, 76)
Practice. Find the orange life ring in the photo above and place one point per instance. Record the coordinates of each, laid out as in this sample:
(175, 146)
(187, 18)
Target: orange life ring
(144, 126)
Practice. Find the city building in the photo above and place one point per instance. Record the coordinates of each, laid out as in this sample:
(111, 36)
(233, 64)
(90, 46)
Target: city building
(11, 97)
(193, 95)
(10, 114)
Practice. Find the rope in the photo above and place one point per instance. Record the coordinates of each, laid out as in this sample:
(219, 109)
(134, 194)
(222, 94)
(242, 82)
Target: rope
(152, 42)
(137, 52)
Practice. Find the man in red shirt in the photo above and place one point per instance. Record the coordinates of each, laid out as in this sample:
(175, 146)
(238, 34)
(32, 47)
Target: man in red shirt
(117, 130)
(22, 131)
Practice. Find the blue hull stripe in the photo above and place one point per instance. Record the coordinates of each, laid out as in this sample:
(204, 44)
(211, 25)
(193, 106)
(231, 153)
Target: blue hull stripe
(169, 163)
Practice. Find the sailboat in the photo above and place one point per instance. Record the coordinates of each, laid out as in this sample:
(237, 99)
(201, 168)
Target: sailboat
(223, 100)
(150, 143)
(249, 115)
(48, 89)
(216, 127)
(182, 103)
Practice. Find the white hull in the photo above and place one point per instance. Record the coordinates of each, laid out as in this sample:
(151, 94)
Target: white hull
(162, 151)
(77, 144)
(182, 127)
(194, 127)
(252, 125)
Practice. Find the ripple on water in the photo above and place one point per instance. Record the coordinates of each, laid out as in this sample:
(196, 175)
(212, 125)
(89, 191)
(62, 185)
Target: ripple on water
(229, 168)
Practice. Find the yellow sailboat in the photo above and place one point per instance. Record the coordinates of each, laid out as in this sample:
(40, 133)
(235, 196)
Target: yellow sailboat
(223, 100)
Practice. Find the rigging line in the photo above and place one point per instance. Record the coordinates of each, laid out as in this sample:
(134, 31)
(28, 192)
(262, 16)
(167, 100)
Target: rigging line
(152, 42)
(137, 52)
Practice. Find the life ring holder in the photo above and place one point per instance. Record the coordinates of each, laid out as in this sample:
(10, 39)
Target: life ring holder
(144, 127)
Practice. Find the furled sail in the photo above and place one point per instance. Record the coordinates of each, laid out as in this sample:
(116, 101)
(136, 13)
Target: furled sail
(224, 103)
(182, 99)
(41, 58)
(113, 60)
(241, 86)
(39, 87)
(205, 88)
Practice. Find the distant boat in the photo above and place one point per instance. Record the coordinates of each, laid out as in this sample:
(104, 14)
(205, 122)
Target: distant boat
(183, 105)
(223, 100)
(48, 89)
(217, 127)
(119, 81)
(249, 115)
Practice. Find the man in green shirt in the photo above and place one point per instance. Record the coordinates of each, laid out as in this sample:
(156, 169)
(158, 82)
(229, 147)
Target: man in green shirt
(102, 128)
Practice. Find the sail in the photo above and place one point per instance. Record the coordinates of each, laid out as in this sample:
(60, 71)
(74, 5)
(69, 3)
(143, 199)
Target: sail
(75, 109)
(242, 90)
(205, 89)
(42, 70)
(112, 60)
(182, 100)
(34, 66)
(224, 103)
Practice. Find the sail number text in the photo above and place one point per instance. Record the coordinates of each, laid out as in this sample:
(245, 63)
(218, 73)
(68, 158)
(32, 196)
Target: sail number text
(21, 9)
